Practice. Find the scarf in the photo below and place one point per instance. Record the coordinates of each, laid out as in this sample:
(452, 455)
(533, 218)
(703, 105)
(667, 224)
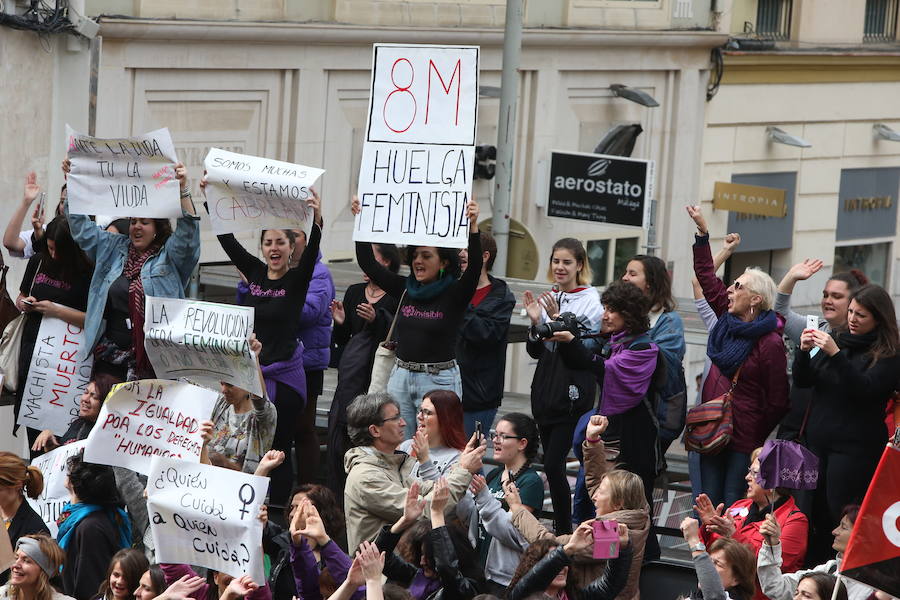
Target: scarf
(423, 292)
(627, 375)
(421, 587)
(732, 339)
(859, 343)
(73, 514)
(132, 271)
(289, 372)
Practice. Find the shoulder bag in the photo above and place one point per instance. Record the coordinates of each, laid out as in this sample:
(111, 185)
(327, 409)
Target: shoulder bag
(11, 342)
(385, 357)
(710, 425)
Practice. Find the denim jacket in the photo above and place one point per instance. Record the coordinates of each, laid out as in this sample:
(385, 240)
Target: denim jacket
(165, 274)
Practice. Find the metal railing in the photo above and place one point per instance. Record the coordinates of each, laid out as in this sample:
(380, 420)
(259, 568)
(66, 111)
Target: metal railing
(881, 21)
(773, 19)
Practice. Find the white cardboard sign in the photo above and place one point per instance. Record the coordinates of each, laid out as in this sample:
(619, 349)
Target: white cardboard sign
(207, 516)
(55, 495)
(418, 159)
(151, 417)
(204, 342)
(249, 193)
(58, 374)
(123, 177)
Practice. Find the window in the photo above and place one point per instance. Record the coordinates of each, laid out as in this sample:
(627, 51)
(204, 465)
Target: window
(608, 258)
(773, 18)
(871, 259)
(881, 21)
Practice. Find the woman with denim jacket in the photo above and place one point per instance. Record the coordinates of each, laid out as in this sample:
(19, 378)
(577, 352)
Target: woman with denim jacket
(151, 260)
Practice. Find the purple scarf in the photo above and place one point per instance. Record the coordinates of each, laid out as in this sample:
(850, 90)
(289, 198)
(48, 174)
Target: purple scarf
(627, 376)
(289, 372)
(422, 587)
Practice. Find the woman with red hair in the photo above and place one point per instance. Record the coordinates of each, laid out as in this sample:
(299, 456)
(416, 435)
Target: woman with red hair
(440, 437)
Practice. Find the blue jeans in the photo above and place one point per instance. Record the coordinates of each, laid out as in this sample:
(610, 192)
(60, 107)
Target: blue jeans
(485, 417)
(723, 476)
(408, 388)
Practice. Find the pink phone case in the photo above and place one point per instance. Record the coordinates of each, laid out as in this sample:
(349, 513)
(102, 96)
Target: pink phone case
(606, 539)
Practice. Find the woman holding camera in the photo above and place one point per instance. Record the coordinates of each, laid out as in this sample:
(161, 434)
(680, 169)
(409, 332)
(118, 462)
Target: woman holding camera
(561, 393)
(433, 298)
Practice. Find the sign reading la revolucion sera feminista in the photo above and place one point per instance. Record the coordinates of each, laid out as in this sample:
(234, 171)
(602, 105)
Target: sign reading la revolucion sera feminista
(601, 188)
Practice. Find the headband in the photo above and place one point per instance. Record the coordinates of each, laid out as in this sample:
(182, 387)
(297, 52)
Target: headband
(32, 548)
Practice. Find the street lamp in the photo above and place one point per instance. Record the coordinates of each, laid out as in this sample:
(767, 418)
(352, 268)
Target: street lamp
(783, 137)
(642, 98)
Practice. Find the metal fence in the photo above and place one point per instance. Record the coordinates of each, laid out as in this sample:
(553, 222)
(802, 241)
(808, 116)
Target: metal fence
(773, 19)
(881, 21)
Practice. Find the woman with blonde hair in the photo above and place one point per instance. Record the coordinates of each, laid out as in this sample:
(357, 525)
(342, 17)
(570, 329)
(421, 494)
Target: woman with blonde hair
(38, 560)
(747, 355)
(16, 480)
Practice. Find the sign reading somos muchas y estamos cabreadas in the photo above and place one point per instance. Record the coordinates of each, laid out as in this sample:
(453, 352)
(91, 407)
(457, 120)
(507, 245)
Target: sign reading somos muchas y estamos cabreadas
(418, 159)
(601, 188)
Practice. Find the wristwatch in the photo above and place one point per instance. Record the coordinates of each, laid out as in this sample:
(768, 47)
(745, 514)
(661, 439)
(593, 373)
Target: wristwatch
(698, 547)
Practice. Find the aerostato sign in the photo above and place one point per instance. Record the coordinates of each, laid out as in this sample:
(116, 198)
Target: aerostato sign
(600, 188)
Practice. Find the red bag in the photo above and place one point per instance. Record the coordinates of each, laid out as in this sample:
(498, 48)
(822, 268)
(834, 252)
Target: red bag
(710, 425)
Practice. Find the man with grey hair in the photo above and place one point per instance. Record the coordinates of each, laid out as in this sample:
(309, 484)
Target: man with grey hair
(378, 476)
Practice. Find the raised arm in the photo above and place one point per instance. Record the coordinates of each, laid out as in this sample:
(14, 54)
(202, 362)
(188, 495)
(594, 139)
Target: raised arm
(713, 289)
(184, 243)
(795, 323)
(11, 239)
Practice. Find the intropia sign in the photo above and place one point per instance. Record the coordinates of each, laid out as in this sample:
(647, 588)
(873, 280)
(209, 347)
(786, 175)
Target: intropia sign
(601, 188)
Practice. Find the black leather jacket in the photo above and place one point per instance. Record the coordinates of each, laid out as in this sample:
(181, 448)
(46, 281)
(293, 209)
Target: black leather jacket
(454, 585)
(605, 587)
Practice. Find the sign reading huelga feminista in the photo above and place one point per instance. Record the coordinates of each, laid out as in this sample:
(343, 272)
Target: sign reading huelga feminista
(600, 188)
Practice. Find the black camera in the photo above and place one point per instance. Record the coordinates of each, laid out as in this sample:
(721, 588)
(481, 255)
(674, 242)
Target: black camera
(564, 322)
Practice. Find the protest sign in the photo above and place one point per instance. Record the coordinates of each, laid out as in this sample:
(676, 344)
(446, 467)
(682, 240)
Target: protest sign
(123, 177)
(249, 193)
(151, 417)
(54, 495)
(207, 516)
(418, 159)
(58, 374)
(201, 341)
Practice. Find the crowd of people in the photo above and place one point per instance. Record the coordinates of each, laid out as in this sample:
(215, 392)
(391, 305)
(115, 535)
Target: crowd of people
(410, 508)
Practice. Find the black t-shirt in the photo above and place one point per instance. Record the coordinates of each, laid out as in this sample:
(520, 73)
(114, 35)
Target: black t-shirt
(426, 330)
(278, 303)
(353, 323)
(116, 313)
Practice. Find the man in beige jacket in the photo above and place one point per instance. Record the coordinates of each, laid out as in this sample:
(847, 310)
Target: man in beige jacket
(378, 476)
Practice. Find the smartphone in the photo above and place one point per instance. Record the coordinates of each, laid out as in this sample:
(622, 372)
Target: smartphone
(28, 302)
(42, 200)
(478, 431)
(606, 538)
(812, 322)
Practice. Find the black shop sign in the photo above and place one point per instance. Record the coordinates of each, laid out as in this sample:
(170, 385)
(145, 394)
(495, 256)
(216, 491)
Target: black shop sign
(600, 188)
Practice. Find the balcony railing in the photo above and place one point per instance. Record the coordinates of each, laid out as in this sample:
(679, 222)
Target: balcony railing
(773, 19)
(881, 21)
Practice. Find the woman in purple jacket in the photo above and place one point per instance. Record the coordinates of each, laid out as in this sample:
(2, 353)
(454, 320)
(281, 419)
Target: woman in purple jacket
(745, 345)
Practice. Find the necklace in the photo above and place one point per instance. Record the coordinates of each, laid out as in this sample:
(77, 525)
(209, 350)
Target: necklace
(372, 295)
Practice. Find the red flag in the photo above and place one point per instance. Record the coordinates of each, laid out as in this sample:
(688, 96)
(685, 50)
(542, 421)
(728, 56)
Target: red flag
(873, 553)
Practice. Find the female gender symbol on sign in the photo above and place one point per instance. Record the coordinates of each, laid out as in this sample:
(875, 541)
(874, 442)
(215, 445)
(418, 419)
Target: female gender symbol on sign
(246, 501)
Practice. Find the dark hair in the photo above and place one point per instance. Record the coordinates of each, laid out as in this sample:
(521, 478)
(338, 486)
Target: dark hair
(410, 544)
(103, 383)
(70, 263)
(825, 583)
(120, 225)
(742, 562)
(853, 279)
(524, 427)
(489, 245)
(132, 564)
(577, 249)
(451, 255)
(659, 283)
(467, 559)
(217, 459)
(626, 299)
(877, 301)
(532, 555)
(157, 578)
(392, 591)
(326, 503)
(288, 233)
(390, 253)
(851, 511)
(163, 229)
(449, 412)
(93, 483)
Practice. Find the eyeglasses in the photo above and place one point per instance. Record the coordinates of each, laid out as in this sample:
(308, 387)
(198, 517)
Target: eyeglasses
(396, 417)
(504, 436)
(425, 412)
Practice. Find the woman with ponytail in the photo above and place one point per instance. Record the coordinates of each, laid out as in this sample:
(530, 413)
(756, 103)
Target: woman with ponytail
(16, 481)
(38, 560)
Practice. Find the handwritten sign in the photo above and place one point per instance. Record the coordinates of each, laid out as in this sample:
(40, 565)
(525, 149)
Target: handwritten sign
(418, 159)
(58, 374)
(207, 516)
(123, 177)
(151, 417)
(201, 341)
(249, 193)
(54, 468)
